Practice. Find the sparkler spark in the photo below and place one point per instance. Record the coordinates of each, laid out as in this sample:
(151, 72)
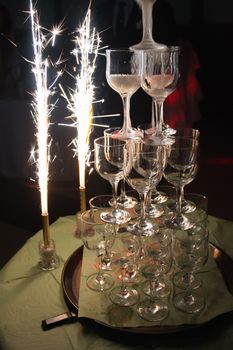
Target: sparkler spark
(41, 107)
(80, 99)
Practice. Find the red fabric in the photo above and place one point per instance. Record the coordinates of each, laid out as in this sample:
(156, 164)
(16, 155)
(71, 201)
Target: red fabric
(182, 107)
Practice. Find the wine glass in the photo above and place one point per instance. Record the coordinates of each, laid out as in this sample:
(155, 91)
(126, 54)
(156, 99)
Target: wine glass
(153, 209)
(102, 203)
(109, 158)
(158, 250)
(145, 168)
(186, 206)
(122, 73)
(130, 246)
(157, 261)
(200, 217)
(96, 234)
(190, 253)
(159, 77)
(125, 294)
(147, 41)
(123, 201)
(180, 169)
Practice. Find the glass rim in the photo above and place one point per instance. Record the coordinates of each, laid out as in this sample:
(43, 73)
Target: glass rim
(120, 49)
(90, 218)
(98, 141)
(162, 50)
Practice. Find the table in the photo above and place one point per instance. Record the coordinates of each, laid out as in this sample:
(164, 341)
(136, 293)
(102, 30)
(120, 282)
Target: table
(29, 295)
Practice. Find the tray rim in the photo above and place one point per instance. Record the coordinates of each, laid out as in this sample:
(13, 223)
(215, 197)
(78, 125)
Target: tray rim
(72, 303)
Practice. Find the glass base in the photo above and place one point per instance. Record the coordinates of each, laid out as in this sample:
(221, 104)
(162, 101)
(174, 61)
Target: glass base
(148, 45)
(144, 228)
(186, 206)
(125, 201)
(116, 216)
(178, 222)
(127, 134)
(192, 303)
(153, 311)
(158, 197)
(168, 130)
(127, 296)
(132, 274)
(152, 210)
(182, 281)
(162, 289)
(100, 284)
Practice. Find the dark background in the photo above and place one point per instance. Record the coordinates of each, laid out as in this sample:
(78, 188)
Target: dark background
(208, 27)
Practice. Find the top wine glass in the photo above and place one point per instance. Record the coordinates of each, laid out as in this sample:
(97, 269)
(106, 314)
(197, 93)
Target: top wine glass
(122, 73)
(159, 77)
(147, 41)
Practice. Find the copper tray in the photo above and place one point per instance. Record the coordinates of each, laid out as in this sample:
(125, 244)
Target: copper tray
(71, 280)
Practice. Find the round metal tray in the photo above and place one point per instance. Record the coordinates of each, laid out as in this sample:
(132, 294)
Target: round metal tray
(71, 281)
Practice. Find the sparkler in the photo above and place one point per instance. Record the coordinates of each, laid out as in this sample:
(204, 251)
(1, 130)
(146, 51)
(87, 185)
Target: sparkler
(80, 99)
(41, 112)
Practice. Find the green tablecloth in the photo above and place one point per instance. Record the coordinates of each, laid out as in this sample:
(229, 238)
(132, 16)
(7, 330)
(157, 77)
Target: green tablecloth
(28, 295)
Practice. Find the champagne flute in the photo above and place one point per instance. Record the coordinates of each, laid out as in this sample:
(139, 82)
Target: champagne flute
(159, 77)
(180, 170)
(109, 160)
(122, 73)
(96, 234)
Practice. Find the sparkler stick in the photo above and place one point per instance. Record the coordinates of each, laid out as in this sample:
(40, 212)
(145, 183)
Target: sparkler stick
(41, 112)
(80, 99)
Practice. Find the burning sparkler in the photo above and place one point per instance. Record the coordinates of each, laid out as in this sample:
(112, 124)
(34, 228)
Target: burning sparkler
(41, 112)
(80, 99)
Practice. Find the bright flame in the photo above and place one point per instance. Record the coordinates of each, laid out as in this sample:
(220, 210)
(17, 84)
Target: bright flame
(80, 101)
(41, 109)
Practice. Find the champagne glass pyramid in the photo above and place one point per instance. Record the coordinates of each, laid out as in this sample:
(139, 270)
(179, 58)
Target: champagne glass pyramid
(122, 73)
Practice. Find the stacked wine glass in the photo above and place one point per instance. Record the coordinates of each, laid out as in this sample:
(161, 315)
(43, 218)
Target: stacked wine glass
(151, 253)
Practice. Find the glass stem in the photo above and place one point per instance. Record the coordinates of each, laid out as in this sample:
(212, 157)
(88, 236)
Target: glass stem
(143, 206)
(179, 190)
(100, 277)
(153, 115)
(148, 198)
(182, 194)
(123, 283)
(126, 112)
(123, 194)
(153, 284)
(114, 194)
(147, 20)
(159, 115)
